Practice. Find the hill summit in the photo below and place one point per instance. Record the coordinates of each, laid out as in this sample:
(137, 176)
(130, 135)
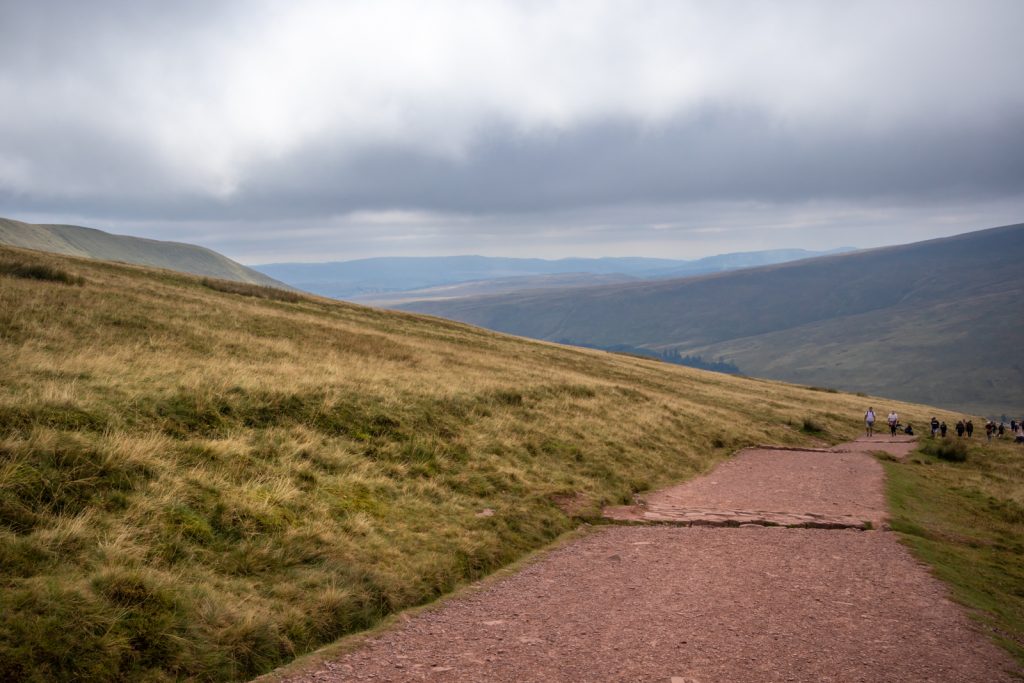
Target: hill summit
(74, 240)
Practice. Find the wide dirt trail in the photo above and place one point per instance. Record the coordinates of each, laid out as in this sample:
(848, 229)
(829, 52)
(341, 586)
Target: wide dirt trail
(681, 594)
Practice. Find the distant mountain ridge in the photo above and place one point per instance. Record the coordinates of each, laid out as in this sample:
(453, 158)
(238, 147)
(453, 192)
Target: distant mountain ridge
(493, 286)
(366, 279)
(74, 240)
(937, 322)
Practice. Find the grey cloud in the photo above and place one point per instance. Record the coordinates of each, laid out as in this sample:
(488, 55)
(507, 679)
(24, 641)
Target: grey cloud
(221, 122)
(717, 156)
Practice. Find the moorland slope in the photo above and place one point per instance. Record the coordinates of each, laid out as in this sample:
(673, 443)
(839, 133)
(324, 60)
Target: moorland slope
(200, 480)
(935, 322)
(74, 240)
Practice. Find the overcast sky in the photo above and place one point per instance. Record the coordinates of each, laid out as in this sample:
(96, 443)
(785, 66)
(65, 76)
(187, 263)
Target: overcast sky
(310, 131)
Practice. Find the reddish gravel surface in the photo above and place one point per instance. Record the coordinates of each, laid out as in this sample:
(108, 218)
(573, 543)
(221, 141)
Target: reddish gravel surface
(793, 484)
(695, 605)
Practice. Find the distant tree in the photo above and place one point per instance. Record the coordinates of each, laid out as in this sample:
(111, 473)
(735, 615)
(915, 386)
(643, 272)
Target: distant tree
(668, 355)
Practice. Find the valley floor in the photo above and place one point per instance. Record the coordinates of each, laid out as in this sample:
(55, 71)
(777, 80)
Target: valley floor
(705, 603)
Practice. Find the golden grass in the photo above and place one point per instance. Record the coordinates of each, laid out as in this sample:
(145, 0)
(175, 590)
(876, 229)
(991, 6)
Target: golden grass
(203, 484)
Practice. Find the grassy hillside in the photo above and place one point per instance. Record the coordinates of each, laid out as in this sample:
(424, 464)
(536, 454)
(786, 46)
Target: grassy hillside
(73, 240)
(933, 322)
(966, 519)
(201, 480)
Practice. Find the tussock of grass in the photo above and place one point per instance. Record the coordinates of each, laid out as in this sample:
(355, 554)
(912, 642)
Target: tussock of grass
(38, 271)
(812, 426)
(199, 486)
(246, 289)
(966, 519)
(953, 450)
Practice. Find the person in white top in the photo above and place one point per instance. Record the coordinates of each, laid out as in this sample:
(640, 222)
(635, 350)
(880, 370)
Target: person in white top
(869, 421)
(894, 420)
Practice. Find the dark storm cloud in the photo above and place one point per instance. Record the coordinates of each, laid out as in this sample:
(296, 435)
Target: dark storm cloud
(716, 156)
(393, 124)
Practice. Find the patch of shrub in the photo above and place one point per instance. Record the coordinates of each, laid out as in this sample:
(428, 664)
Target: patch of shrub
(186, 414)
(39, 271)
(948, 449)
(258, 291)
(811, 427)
(66, 417)
(62, 478)
(1009, 510)
(148, 618)
(507, 398)
(49, 632)
(22, 556)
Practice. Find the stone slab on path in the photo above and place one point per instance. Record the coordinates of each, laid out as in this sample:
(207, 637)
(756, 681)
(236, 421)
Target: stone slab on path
(899, 446)
(836, 488)
(703, 604)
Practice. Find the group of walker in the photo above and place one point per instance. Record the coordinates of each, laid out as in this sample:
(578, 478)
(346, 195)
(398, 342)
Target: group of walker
(894, 424)
(963, 427)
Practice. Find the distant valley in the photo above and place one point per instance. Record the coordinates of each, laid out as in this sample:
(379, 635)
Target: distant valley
(382, 281)
(937, 322)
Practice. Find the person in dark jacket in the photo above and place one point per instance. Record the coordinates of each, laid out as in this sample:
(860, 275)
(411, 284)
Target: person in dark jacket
(935, 427)
(960, 427)
(943, 428)
(970, 428)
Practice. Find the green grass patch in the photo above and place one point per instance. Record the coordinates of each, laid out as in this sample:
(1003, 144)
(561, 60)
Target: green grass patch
(949, 449)
(965, 518)
(39, 271)
(259, 291)
(811, 426)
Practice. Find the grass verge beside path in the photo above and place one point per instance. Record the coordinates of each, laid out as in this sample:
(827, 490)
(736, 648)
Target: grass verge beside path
(966, 520)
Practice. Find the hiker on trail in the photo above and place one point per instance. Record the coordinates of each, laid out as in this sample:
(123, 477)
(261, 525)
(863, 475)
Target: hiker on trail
(960, 429)
(909, 431)
(935, 427)
(894, 420)
(970, 428)
(869, 421)
(943, 428)
(1002, 430)
(989, 427)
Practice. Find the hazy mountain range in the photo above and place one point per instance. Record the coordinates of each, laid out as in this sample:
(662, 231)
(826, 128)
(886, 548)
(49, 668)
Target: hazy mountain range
(937, 322)
(366, 280)
(73, 240)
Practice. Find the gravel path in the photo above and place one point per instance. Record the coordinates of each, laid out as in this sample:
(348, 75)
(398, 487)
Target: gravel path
(701, 604)
(795, 488)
